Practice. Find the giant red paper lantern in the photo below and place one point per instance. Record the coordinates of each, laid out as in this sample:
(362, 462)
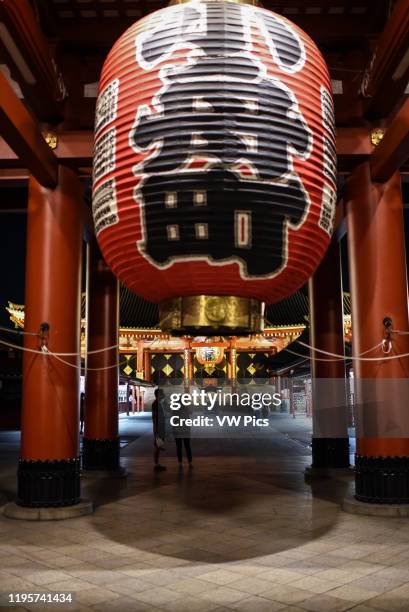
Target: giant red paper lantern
(214, 166)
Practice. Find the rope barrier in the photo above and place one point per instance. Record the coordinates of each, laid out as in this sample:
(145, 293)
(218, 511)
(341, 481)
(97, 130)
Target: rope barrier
(20, 348)
(387, 358)
(57, 356)
(399, 332)
(95, 352)
(73, 365)
(19, 332)
(311, 358)
(23, 348)
(333, 356)
(339, 358)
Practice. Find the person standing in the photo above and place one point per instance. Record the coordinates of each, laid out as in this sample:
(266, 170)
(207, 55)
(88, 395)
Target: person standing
(159, 430)
(82, 411)
(182, 438)
(188, 450)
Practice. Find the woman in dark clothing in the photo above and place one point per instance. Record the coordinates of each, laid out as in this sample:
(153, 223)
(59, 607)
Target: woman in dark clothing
(82, 412)
(179, 450)
(182, 437)
(158, 421)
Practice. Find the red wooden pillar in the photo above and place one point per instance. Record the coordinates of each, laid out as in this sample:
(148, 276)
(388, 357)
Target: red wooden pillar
(147, 365)
(139, 359)
(291, 396)
(49, 466)
(187, 368)
(101, 440)
(190, 362)
(330, 442)
(233, 363)
(379, 289)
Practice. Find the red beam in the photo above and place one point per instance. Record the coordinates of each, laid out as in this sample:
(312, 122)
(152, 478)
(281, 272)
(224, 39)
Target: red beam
(354, 141)
(24, 136)
(393, 151)
(29, 57)
(387, 75)
(75, 148)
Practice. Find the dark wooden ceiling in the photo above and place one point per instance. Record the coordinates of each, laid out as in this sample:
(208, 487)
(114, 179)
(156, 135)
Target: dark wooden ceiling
(83, 31)
(100, 22)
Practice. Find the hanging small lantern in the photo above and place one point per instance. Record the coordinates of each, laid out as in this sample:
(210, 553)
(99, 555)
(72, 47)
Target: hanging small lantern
(209, 356)
(214, 169)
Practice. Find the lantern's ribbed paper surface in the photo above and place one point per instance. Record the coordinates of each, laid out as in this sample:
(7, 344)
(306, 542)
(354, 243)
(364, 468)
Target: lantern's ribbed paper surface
(214, 166)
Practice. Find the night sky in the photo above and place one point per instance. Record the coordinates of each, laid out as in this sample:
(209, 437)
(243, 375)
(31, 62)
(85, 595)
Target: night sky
(12, 258)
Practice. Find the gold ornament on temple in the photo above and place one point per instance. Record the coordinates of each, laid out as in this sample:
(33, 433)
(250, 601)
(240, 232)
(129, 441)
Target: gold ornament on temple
(377, 136)
(51, 139)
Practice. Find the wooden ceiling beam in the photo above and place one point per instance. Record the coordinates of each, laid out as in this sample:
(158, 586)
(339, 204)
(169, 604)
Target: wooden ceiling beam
(393, 151)
(103, 32)
(24, 137)
(29, 58)
(75, 148)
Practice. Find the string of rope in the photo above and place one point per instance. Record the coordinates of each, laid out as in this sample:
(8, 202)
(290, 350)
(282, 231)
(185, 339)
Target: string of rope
(309, 358)
(19, 332)
(311, 348)
(95, 352)
(387, 358)
(23, 348)
(45, 351)
(345, 357)
(78, 367)
(20, 348)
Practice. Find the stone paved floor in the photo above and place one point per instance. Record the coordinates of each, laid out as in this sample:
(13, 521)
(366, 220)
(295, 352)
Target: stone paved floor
(241, 532)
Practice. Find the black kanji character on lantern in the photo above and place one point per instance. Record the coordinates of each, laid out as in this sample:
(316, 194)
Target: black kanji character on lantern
(190, 24)
(223, 110)
(219, 215)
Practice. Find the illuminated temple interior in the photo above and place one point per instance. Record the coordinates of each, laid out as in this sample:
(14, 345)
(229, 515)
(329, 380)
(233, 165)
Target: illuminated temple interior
(149, 355)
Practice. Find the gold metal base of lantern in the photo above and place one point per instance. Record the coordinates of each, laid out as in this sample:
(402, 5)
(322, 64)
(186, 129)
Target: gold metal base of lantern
(211, 315)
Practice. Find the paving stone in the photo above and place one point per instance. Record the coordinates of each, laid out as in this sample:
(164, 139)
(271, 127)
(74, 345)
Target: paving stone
(243, 532)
